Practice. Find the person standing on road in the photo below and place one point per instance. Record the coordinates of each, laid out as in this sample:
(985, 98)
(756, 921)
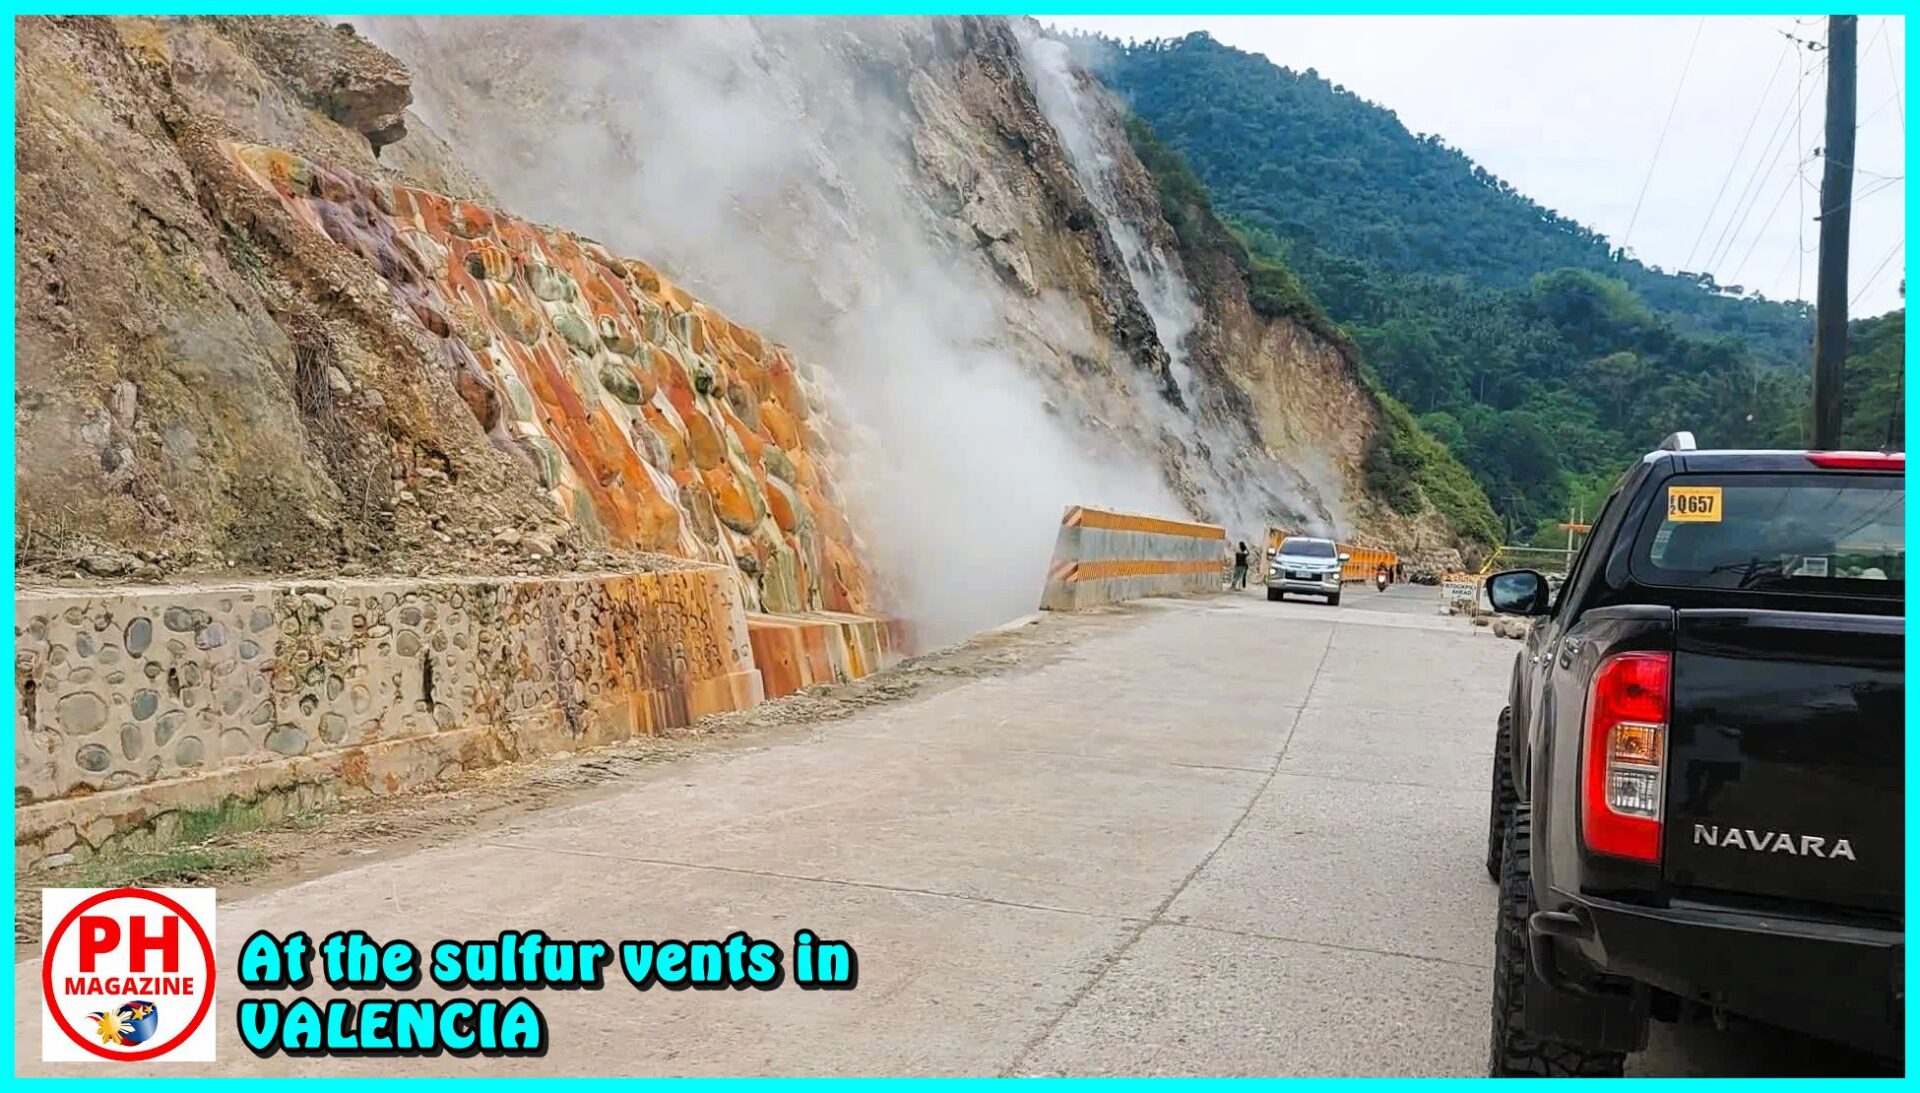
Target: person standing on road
(1240, 565)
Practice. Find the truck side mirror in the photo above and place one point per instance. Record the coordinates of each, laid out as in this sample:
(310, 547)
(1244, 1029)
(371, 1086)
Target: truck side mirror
(1346, 557)
(1519, 592)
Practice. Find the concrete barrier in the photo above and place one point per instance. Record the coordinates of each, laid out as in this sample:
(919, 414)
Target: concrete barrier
(135, 705)
(1107, 557)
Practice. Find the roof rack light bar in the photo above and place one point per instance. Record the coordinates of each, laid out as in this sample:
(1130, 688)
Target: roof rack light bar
(1679, 442)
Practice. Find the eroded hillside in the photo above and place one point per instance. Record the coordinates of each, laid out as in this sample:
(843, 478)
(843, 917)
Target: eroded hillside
(228, 227)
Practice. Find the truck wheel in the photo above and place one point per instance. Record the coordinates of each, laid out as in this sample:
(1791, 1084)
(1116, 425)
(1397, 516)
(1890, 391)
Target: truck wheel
(1514, 1053)
(1273, 595)
(1501, 809)
(1333, 600)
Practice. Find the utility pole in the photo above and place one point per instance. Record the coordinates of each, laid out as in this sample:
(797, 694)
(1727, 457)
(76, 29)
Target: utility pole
(1836, 200)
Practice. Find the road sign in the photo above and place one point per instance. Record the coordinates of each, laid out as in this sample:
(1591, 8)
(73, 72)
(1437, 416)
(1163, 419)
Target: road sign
(1459, 586)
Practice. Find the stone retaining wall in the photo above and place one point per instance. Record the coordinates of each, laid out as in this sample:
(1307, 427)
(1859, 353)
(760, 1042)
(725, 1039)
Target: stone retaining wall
(134, 705)
(1106, 557)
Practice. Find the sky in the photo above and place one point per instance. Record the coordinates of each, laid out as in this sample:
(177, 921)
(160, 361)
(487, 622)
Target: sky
(1571, 111)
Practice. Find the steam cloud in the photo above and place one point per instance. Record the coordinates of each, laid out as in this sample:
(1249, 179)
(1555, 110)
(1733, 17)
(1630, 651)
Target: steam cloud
(762, 165)
(1238, 495)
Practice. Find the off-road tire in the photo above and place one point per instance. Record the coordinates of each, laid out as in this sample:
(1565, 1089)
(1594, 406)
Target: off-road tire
(1273, 595)
(1514, 1054)
(1500, 811)
(1333, 600)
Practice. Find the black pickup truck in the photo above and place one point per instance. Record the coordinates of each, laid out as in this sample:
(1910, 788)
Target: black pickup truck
(1698, 784)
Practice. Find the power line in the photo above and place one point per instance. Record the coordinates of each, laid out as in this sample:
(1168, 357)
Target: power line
(1736, 220)
(1857, 198)
(1785, 52)
(1879, 29)
(1890, 100)
(1800, 280)
(1894, 69)
(1874, 277)
(1799, 175)
(1764, 225)
(1657, 145)
(1800, 217)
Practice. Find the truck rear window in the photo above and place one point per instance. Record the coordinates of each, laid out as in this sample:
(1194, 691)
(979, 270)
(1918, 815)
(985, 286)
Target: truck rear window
(1812, 533)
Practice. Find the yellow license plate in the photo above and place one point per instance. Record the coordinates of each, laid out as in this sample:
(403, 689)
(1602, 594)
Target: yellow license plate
(1693, 504)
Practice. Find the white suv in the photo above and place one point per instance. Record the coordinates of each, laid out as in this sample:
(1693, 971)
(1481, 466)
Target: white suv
(1307, 567)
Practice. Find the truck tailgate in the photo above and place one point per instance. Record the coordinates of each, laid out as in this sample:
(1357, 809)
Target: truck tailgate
(1785, 758)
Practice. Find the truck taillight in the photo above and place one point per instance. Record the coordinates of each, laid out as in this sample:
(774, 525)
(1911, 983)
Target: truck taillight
(1625, 755)
(1859, 461)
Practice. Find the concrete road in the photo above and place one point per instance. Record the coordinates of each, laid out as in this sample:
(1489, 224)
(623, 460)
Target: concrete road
(1224, 837)
(1398, 599)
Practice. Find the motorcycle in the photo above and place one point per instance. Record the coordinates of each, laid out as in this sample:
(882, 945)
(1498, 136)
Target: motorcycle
(1380, 581)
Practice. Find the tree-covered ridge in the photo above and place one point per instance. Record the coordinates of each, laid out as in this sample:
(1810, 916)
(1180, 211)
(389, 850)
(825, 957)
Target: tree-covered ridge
(1318, 166)
(1873, 403)
(1542, 358)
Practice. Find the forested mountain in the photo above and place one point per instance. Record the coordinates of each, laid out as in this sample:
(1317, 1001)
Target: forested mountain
(1540, 354)
(1316, 164)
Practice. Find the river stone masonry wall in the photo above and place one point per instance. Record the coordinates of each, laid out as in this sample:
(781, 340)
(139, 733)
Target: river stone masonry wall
(133, 706)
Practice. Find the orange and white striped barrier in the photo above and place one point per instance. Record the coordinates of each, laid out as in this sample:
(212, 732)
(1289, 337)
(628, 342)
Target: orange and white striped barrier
(1107, 557)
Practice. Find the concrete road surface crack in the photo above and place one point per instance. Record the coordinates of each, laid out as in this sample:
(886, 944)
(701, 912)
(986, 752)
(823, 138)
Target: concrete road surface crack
(776, 875)
(1159, 915)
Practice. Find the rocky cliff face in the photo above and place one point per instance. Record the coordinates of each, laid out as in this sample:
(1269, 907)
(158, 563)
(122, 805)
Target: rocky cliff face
(947, 215)
(201, 386)
(941, 217)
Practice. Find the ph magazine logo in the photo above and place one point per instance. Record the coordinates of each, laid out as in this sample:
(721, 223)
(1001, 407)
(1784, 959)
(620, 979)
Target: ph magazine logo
(126, 974)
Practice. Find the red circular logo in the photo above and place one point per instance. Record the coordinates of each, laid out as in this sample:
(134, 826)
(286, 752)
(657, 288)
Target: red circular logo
(168, 904)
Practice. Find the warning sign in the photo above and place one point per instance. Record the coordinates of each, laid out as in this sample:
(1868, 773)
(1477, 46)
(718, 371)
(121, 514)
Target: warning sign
(1459, 586)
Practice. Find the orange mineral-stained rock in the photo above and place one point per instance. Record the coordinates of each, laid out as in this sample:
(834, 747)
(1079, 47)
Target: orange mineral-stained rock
(681, 464)
(747, 340)
(700, 338)
(786, 387)
(674, 296)
(780, 425)
(752, 373)
(749, 443)
(486, 261)
(669, 371)
(731, 502)
(783, 505)
(805, 474)
(841, 585)
(645, 277)
(470, 221)
(513, 313)
(831, 523)
(653, 420)
(703, 437)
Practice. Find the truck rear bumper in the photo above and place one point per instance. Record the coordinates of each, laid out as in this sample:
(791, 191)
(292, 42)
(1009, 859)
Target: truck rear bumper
(1837, 982)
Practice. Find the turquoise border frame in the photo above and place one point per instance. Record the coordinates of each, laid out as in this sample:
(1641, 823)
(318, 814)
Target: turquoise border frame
(861, 7)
